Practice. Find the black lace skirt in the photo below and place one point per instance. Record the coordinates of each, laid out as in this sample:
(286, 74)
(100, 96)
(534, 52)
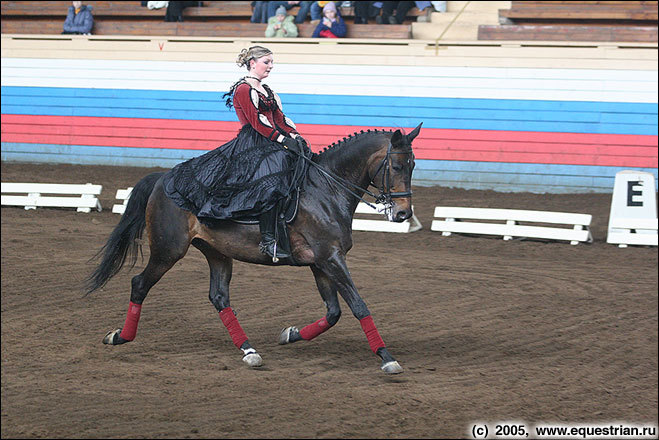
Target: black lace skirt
(245, 177)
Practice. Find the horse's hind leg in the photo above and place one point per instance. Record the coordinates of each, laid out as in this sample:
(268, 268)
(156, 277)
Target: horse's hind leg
(169, 242)
(220, 276)
(140, 286)
(328, 291)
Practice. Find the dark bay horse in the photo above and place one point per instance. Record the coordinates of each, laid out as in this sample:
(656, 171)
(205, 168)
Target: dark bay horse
(320, 235)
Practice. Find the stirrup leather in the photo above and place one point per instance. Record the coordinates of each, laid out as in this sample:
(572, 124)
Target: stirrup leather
(274, 235)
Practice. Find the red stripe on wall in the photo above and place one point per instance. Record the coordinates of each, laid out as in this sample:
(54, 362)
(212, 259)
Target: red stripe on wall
(91, 121)
(437, 144)
(338, 130)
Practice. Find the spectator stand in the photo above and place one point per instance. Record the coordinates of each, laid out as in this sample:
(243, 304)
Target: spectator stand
(614, 21)
(213, 19)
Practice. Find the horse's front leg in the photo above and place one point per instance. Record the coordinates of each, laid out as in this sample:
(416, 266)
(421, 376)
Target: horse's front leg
(337, 271)
(327, 291)
(221, 268)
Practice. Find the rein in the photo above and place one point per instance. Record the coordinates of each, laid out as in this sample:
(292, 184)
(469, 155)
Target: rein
(385, 197)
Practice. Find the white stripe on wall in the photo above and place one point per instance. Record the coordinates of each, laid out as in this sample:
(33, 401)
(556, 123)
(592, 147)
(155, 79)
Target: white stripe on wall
(414, 81)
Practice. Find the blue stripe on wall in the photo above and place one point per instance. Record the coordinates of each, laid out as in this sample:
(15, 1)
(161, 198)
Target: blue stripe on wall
(94, 155)
(444, 113)
(541, 178)
(515, 104)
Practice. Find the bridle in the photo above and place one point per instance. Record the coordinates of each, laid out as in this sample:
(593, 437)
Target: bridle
(386, 196)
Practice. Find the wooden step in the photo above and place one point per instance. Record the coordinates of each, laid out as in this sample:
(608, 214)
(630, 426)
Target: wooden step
(580, 10)
(639, 34)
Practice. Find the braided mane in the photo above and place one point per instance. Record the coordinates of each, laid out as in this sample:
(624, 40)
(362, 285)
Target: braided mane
(350, 139)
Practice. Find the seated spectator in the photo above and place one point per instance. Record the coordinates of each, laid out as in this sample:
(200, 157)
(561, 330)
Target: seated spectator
(402, 8)
(273, 6)
(331, 25)
(305, 9)
(439, 6)
(281, 25)
(317, 9)
(366, 10)
(156, 4)
(175, 10)
(79, 19)
(259, 12)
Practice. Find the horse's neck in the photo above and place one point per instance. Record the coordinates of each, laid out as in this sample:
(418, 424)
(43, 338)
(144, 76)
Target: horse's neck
(351, 163)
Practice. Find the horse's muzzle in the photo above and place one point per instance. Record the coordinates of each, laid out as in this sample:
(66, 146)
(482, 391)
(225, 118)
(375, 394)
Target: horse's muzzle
(402, 215)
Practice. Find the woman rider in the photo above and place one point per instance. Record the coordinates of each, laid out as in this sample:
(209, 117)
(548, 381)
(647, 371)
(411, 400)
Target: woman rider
(250, 174)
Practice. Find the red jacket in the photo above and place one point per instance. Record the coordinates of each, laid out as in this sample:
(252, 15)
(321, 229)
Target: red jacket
(262, 112)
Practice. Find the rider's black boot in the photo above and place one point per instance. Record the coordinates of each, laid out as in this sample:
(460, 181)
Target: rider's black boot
(269, 245)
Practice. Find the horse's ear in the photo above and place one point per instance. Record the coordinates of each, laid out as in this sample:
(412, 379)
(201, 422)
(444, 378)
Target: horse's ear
(414, 133)
(397, 138)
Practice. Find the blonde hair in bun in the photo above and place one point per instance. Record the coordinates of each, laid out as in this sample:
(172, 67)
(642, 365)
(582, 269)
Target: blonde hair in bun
(254, 52)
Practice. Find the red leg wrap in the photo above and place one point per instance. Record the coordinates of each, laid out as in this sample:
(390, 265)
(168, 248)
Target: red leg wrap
(374, 339)
(129, 329)
(312, 330)
(230, 321)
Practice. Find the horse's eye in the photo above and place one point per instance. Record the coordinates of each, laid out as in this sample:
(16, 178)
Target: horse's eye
(397, 168)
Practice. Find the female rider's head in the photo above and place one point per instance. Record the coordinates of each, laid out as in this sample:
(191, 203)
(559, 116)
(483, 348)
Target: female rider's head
(257, 59)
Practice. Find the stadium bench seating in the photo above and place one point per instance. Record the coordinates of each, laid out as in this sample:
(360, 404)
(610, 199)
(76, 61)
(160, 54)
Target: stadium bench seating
(632, 21)
(213, 19)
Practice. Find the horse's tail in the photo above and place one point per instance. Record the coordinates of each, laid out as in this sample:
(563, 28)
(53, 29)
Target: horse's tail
(125, 238)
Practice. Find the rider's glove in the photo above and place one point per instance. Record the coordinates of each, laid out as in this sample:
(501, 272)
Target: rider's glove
(291, 144)
(304, 146)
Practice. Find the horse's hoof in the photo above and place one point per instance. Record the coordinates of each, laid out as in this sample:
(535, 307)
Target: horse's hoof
(285, 335)
(253, 360)
(113, 338)
(392, 367)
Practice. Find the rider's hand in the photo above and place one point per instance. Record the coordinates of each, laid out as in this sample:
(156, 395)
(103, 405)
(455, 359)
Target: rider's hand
(304, 145)
(291, 144)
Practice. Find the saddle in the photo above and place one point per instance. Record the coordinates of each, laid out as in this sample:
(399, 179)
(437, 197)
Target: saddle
(284, 212)
(286, 207)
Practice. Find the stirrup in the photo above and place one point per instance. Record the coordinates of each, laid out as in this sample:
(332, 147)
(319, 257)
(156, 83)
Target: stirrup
(270, 248)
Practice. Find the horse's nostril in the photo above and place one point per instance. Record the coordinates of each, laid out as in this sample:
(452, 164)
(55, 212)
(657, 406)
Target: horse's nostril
(402, 215)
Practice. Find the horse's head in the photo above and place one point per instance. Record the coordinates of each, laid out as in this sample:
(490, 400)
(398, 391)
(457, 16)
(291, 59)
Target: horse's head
(393, 175)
